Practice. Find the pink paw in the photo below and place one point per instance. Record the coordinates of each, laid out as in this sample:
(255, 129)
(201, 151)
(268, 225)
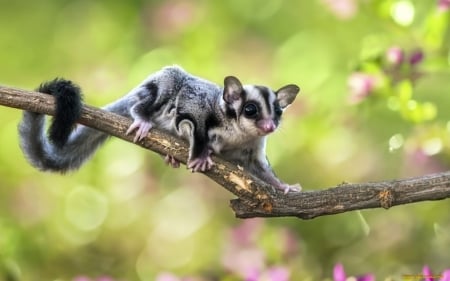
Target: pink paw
(200, 164)
(142, 128)
(170, 160)
(289, 187)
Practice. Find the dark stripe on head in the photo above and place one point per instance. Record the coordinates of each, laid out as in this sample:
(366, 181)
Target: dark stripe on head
(278, 112)
(265, 92)
(244, 95)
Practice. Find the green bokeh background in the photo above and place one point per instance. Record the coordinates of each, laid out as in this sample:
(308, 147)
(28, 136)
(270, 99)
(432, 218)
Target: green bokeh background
(126, 215)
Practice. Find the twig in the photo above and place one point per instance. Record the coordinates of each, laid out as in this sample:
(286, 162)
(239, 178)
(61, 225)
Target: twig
(255, 197)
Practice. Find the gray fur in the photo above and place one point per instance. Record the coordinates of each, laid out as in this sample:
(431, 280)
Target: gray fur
(213, 119)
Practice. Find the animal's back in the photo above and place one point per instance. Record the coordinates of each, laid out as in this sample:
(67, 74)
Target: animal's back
(187, 99)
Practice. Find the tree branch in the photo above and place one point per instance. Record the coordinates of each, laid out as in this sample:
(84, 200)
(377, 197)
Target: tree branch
(255, 197)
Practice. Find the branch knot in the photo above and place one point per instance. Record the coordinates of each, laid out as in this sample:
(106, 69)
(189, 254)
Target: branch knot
(386, 197)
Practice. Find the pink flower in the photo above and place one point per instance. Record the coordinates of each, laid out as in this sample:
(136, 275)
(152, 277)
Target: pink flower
(361, 85)
(443, 5)
(289, 241)
(395, 55)
(242, 255)
(245, 234)
(342, 9)
(428, 275)
(246, 262)
(276, 273)
(165, 276)
(170, 18)
(445, 275)
(339, 274)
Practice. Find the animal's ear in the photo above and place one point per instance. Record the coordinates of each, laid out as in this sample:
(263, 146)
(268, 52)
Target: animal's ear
(286, 95)
(232, 89)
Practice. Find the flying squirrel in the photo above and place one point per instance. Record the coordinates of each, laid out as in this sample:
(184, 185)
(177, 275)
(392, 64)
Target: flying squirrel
(231, 122)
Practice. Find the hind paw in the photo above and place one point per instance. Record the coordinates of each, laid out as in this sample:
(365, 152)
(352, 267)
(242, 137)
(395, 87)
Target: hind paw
(171, 161)
(142, 128)
(286, 188)
(200, 164)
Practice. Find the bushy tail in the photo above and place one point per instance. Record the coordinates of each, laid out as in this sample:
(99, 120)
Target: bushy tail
(68, 108)
(64, 148)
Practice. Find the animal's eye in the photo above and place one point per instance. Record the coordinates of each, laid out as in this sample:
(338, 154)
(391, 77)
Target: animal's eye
(250, 110)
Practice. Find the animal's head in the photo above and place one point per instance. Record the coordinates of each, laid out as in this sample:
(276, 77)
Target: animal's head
(256, 109)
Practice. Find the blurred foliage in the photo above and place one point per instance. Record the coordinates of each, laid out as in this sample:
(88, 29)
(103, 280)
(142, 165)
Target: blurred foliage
(374, 105)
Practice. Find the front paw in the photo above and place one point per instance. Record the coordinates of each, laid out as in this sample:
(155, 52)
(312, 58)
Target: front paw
(142, 128)
(201, 164)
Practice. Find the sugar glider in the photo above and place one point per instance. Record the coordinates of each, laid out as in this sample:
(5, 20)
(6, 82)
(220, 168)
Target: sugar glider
(231, 122)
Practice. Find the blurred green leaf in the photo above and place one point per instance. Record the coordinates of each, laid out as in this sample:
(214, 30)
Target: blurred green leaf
(405, 91)
(435, 28)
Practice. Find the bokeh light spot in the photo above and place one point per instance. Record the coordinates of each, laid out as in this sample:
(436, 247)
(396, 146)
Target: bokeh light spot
(429, 111)
(86, 208)
(432, 146)
(402, 12)
(396, 142)
(393, 103)
(179, 214)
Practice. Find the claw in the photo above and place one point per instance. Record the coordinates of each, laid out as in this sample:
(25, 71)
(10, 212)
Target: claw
(290, 187)
(142, 128)
(200, 164)
(170, 160)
